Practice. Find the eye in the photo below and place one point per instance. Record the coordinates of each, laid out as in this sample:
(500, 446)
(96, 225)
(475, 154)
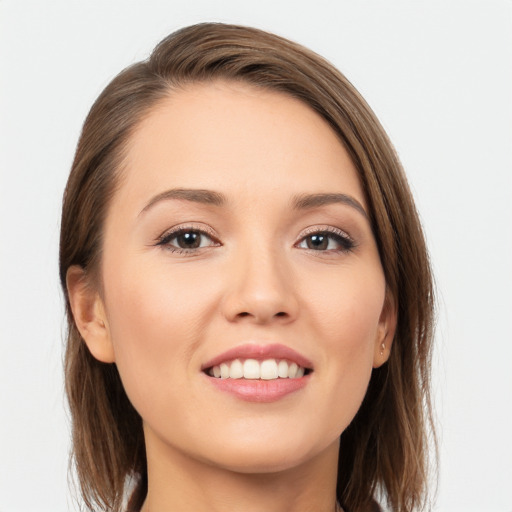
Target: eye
(327, 240)
(186, 240)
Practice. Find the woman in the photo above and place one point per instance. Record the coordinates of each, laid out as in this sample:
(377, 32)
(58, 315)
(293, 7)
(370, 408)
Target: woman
(248, 290)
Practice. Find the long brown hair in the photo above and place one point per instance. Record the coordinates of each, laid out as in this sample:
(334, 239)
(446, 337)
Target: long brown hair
(385, 450)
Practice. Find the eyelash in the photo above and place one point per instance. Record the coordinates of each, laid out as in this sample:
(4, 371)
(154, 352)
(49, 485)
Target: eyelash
(165, 239)
(343, 240)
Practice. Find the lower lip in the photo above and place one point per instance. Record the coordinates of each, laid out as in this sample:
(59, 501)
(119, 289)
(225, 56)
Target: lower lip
(259, 390)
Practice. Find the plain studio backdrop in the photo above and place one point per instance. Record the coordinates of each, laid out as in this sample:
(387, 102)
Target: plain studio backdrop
(439, 76)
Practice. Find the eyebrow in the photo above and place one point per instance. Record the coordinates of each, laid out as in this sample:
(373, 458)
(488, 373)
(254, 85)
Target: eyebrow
(195, 195)
(310, 201)
(210, 197)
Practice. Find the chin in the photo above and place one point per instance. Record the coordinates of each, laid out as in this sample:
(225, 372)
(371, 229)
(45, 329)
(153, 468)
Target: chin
(269, 456)
(260, 465)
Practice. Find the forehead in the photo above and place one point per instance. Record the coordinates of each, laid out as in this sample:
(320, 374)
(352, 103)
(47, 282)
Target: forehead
(238, 139)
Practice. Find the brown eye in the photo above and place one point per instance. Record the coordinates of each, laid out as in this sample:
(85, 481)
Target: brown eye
(327, 241)
(186, 240)
(318, 242)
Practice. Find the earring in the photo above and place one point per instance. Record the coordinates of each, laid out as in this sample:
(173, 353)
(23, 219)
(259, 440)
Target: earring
(382, 348)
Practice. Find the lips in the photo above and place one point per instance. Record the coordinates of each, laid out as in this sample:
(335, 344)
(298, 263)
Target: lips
(259, 373)
(259, 353)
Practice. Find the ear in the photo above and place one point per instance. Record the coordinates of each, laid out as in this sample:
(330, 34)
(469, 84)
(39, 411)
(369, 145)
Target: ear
(89, 314)
(385, 331)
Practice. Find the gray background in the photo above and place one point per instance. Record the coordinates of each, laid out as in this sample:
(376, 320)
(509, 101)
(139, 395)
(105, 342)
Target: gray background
(438, 74)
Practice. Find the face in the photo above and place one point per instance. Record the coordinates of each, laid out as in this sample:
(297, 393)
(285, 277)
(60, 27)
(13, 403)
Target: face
(238, 244)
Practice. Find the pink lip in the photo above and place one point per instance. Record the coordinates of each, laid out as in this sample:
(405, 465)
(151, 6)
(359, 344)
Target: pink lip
(259, 352)
(259, 390)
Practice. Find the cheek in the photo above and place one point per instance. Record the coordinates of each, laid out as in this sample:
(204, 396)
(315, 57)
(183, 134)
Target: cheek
(155, 321)
(149, 297)
(347, 315)
(347, 307)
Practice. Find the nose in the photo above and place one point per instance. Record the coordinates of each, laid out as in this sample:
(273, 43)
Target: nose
(260, 289)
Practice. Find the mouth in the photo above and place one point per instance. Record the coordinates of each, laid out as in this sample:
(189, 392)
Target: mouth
(254, 369)
(259, 373)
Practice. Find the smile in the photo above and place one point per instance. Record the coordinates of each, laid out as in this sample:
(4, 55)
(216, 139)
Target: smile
(259, 373)
(252, 369)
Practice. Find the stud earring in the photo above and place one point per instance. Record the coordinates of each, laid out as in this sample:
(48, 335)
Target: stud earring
(382, 348)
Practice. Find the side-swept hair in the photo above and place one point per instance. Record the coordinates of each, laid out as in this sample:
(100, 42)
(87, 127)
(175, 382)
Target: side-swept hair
(385, 449)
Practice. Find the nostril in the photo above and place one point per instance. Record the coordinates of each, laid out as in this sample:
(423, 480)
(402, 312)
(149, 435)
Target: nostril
(263, 315)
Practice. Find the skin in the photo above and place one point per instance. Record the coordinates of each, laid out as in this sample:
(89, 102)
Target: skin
(160, 314)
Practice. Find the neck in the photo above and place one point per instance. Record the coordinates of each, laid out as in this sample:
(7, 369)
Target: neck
(177, 482)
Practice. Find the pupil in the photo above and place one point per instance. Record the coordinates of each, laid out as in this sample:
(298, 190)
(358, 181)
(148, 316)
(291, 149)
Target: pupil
(317, 242)
(189, 240)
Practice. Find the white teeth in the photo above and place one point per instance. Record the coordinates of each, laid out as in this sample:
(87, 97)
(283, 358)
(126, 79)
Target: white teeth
(251, 369)
(282, 369)
(292, 370)
(224, 371)
(236, 370)
(269, 369)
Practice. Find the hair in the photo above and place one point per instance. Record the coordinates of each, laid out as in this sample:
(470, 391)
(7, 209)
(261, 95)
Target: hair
(384, 452)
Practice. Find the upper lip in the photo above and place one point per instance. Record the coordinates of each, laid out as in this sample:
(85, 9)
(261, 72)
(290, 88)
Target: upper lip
(259, 352)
